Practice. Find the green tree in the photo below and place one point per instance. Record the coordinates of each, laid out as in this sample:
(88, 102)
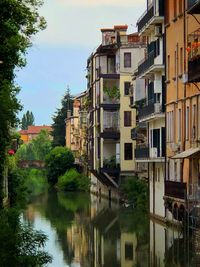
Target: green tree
(27, 120)
(19, 21)
(58, 161)
(37, 149)
(59, 128)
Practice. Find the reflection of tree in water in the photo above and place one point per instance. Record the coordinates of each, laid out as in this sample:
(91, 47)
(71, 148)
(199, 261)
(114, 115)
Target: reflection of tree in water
(62, 210)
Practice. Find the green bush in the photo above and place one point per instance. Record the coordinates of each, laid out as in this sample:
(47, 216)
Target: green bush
(35, 182)
(136, 191)
(72, 180)
(58, 161)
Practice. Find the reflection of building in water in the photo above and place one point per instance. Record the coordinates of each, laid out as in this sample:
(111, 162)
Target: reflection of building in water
(172, 247)
(114, 246)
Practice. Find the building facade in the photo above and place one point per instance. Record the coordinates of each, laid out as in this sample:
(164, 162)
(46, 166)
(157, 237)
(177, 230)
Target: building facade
(110, 119)
(182, 188)
(150, 150)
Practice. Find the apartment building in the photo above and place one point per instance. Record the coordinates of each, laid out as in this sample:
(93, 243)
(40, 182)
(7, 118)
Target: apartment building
(110, 118)
(76, 129)
(151, 110)
(182, 187)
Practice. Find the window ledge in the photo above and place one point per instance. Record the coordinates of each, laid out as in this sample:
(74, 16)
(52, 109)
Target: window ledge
(167, 25)
(174, 19)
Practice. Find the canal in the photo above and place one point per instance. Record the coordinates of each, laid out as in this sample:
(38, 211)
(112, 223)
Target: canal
(84, 231)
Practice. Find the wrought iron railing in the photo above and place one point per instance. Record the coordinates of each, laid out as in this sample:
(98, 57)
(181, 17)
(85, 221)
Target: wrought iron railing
(142, 151)
(175, 189)
(146, 63)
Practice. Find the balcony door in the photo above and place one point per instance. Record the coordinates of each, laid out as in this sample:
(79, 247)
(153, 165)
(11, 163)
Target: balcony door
(156, 140)
(111, 64)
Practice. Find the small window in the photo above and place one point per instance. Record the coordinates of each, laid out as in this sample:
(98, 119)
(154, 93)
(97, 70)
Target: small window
(168, 67)
(127, 60)
(180, 7)
(128, 251)
(127, 118)
(128, 151)
(127, 86)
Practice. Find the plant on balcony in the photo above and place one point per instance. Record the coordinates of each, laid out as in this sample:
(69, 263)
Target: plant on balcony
(110, 163)
(86, 103)
(113, 93)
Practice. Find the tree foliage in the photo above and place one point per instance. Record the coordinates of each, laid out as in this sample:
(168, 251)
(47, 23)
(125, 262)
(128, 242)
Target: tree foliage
(37, 149)
(27, 120)
(58, 161)
(136, 191)
(19, 21)
(59, 128)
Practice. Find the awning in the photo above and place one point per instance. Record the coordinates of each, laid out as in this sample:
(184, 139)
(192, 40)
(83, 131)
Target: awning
(189, 153)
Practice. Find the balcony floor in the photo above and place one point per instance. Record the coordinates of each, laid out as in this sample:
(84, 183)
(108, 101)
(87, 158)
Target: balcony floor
(150, 71)
(149, 27)
(149, 160)
(152, 117)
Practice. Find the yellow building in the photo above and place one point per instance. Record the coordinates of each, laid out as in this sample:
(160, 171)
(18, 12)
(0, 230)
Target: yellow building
(76, 128)
(183, 105)
(110, 118)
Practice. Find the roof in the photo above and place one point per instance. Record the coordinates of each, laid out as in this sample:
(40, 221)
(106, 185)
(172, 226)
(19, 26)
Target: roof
(121, 27)
(189, 153)
(35, 129)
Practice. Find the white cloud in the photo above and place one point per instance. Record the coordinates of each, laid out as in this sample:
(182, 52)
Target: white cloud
(77, 22)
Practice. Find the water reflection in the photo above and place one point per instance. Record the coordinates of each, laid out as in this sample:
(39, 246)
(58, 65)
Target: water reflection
(86, 232)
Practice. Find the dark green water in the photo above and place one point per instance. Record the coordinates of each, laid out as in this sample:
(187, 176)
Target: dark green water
(85, 232)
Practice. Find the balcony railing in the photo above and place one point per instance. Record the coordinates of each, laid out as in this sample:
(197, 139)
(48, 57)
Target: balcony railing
(149, 14)
(142, 151)
(145, 18)
(111, 128)
(193, 6)
(146, 63)
(150, 109)
(175, 189)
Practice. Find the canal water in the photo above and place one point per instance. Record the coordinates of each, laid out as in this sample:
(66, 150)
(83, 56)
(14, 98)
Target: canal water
(84, 231)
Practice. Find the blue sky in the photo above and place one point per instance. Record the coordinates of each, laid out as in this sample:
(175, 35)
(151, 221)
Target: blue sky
(59, 53)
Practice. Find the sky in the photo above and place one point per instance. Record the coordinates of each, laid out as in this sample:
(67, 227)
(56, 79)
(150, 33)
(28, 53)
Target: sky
(59, 54)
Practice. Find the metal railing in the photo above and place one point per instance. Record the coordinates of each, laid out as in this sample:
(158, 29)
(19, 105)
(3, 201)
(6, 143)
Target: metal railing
(113, 127)
(145, 18)
(175, 189)
(149, 109)
(146, 63)
(142, 151)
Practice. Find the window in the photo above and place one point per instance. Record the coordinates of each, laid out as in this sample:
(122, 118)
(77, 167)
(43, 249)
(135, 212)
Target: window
(180, 6)
(127, 86)
(194, 115)
(127, 118)
(128, 151)
(175, 66)
(111, 64)
(175, 8)
(187, 123)
(179, 124)
(181, 60)
(127, 60)
(128, 251)
(168, 67)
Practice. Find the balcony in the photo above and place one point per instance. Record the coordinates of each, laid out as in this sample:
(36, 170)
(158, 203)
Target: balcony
(150, 112)
(142, 151)
(193, 50)
(111, 131)
(139, 132)
(175, 189)
(151, 17)
(111, 166)
(111, 96)
(193, 7)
